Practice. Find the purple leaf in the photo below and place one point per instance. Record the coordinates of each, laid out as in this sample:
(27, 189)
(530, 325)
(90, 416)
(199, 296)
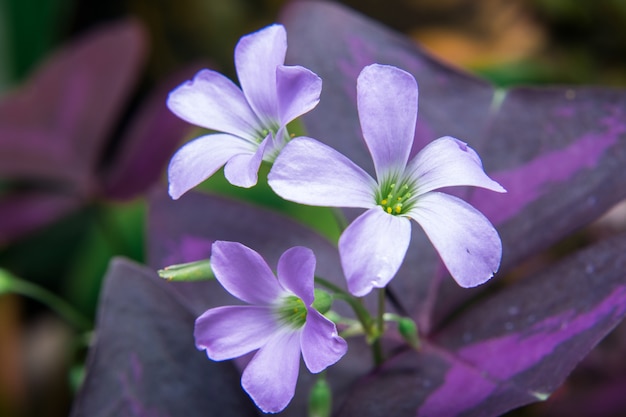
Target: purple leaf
(148, 143)
(53, 130)
(64, 114)
(144, 362)
(558, 151)
(512, 349)
(26, 211)
(56, 129)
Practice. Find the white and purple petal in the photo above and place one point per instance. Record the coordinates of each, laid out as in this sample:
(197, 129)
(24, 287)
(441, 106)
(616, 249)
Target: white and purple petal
(200, 158)
(387, 104)
(298, 91)
(296, 272)
(372, 249)
(466, 241)
(257, 57)
(309, 172)
(447, 162)
(242, 170)
(244, 273)
(214, 102)
(232, 331)
(321, 345)
(270, 377)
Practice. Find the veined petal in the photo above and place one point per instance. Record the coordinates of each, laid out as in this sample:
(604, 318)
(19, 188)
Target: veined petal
(257, 56)
(198, 159)
(298, 91)
(232, 331)
(244, 273)
(214, 102)
(270, 377)
(309, 172)
(387, 103)
(296, 271)
(372, 249)
(321, 345)
(466, 241)
(242, 170)
(448, 162)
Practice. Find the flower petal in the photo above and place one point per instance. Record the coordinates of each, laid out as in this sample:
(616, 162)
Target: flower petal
(321, 345)
(387, 103)
(466, 241)
(244, 273)
(296, 271)
(447, 162)
(372, 249)
(243, 170)
(214, 102)
(270, 377)
(309, 172)
(257, 56)
(298, 91)
(198, 159)
(232, 331)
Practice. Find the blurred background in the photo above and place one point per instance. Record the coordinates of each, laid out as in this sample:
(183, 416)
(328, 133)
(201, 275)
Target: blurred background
(45, 317)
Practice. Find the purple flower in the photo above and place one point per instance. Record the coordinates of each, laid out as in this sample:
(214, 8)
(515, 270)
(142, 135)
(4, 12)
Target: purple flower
(252, 119)
(280, 322)
(373, 247)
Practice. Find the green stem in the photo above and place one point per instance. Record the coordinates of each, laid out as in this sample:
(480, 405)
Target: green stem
(361, 312)
(60, 306)
(373, 328)
(381, 311)
(380, 328)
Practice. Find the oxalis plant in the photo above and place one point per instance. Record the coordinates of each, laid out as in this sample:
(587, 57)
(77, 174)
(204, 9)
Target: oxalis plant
(380, 326)
(284, 316)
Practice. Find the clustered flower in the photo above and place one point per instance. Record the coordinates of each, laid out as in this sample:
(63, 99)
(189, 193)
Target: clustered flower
(280, 321)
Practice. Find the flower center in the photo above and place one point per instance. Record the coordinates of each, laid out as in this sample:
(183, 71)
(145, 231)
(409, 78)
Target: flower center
(292, 311)
(395, 198)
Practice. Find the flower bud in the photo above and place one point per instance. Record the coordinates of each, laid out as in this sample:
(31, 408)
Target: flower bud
(191, 271)
(408, 329)
(320, 399)
(323, 301)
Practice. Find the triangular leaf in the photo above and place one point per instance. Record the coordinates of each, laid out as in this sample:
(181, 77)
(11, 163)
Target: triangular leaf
(144, 361)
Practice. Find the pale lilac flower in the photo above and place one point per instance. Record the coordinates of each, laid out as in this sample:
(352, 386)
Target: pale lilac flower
(373, 247)
(252, 120)
(280, 322)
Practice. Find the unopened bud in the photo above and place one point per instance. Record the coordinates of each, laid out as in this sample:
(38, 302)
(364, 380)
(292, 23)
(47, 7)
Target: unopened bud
(320, 399)
(408, 329)
(323, 301)
(191, 271)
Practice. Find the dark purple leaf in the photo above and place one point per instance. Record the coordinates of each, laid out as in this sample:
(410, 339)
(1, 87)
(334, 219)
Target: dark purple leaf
(53, 130)
(144, 362)
(27, 211)
(512, 349)
(59, 120)
(559, 151)
(148, 143)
